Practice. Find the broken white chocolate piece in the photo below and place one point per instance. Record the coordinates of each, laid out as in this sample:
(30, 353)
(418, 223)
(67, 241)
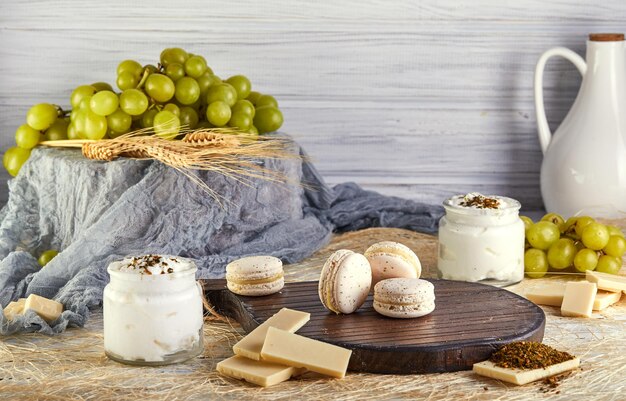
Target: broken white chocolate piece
(578, 298)
(48, 309)
(261, 373)
(293, 350)
(14, 308)
(549, 294)
(286, 319)
(607, 282)
(523, 376)
(604, 299)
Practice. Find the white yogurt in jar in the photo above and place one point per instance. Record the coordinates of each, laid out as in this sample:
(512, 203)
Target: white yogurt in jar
(152, 311)
(481, 239)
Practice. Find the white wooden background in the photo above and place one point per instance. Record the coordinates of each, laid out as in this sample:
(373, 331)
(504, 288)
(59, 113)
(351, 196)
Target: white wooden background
(419, 99)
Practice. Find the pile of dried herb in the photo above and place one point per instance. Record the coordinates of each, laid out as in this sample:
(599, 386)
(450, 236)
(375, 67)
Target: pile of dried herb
(528, 355)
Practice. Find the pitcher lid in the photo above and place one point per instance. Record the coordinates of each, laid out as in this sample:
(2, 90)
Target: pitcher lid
(606, 37)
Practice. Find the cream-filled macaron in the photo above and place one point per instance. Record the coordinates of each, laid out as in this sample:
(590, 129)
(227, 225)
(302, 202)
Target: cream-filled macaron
(392, 259)
(404, 297)
(255, 275)
(345, 281)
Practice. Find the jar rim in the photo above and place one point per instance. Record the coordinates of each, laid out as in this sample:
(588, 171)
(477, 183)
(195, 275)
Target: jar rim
(113, 270)
(511, 206)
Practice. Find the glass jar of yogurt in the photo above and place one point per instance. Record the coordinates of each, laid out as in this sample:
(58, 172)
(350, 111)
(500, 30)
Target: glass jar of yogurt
(153, 311)
(481, 239)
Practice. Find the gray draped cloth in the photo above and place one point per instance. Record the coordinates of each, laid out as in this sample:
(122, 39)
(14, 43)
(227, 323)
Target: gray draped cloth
(98, 212)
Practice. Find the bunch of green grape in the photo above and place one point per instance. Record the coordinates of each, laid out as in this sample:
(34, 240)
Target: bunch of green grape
(181, 91)
(576, 245)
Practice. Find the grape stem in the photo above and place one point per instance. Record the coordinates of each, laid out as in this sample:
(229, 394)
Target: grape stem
(145, 76)
(61, 112)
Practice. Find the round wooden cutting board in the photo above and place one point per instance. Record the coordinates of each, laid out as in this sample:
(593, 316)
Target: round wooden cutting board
(470, 321)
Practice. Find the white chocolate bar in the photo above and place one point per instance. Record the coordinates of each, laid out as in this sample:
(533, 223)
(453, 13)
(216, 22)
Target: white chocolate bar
(293, 350)
(521, 376)
(578, 299)
(48, 309)
(261, 373)
(286, 319)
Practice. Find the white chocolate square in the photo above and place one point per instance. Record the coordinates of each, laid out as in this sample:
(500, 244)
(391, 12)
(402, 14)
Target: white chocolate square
(578, 298)
(48, 309)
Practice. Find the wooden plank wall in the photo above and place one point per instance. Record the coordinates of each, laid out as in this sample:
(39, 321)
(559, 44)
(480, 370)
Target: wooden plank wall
(419, 99)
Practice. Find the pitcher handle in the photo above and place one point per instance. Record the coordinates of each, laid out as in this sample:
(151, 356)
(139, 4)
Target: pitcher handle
(542, 122)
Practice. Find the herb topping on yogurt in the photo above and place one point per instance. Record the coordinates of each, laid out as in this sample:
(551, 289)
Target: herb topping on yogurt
(480, 201)
(152, 265)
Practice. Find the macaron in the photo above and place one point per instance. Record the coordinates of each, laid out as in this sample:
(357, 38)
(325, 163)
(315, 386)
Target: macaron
(345, 281)
(392, 259)
(255, 276)
(404, 297)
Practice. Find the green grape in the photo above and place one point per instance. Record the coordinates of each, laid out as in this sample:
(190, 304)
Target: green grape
(616, 246)
(595, 236)
(204, 82)
(609, 264)
(540, 235)
(188, 117)
(561, 253)
(130, 66)
(126, 80)
(244, 106)
(187, 91)
(173, 55)
(585, 259)
(222, 92)
(172, 108)
(104, 103)
(241, 84)
(240, 120)
(195, 66)
(160, 87)
(133, 102)
(147, 119)
(85, 103)
(95, 125)
(14, 158)
(27, 137)
(166, 124)
(581, 223)
(119, 122)
(79, 93)
(46, 257)
(41, 116)
(527, 222)
(569, 228)
(253, 97)
(218, 113)
(613, 230)
(72, 132)
(175, 71)
(79, 123)
(270, 119)
(253, 131)
(553, 218)
(150, 68)
(535, 263)
(57, 131)
(101, 86)
(266, 100)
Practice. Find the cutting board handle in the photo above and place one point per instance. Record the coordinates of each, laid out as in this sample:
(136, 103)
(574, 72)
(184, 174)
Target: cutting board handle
(225, 303)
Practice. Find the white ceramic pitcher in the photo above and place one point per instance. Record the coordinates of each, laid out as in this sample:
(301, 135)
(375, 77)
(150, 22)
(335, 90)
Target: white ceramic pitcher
(584, 164)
